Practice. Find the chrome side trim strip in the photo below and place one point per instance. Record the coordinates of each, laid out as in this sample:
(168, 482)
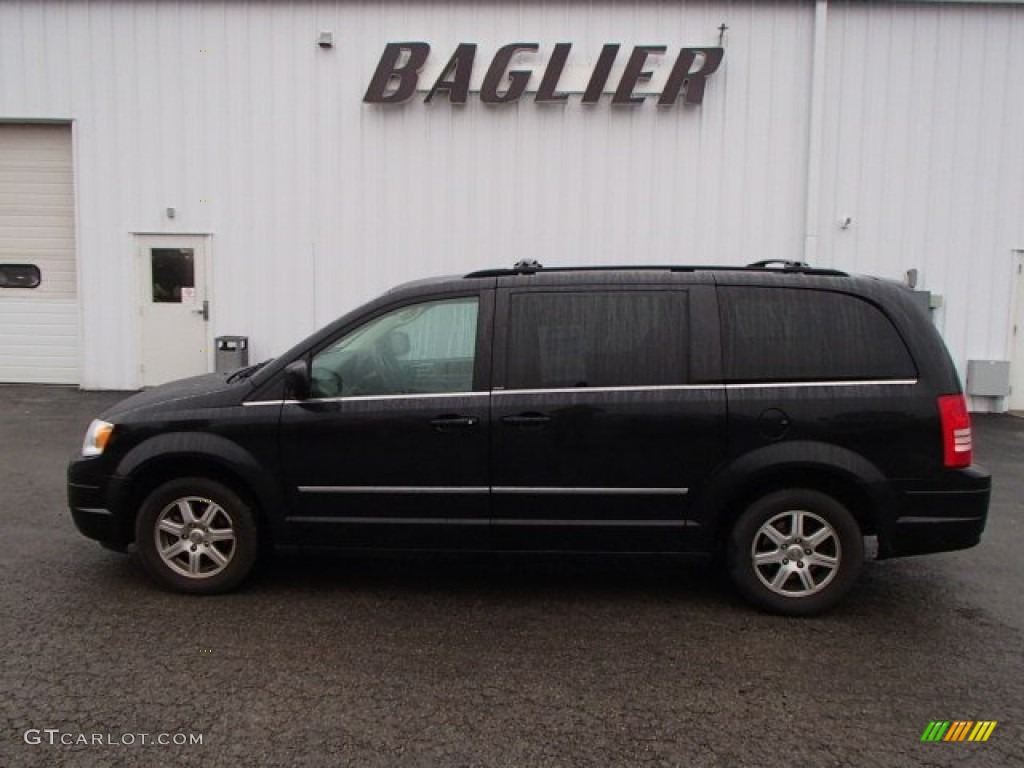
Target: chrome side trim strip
(391, 520)
(371, 398)
(796, 384)
(557, 491)
(502, 489)
(579, 390)
(519, 522)
(457, 489)
(712, 387)
(934, 520)
(502, 521)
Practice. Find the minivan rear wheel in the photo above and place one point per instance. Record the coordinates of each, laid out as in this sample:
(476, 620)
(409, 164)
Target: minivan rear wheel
(796, 552)
(196, 535)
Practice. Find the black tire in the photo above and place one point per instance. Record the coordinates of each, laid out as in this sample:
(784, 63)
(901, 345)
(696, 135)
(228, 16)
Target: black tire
(809, 550)
(209, 554)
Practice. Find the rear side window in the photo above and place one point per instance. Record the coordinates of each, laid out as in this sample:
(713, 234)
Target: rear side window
(597, 339)
(772, 334)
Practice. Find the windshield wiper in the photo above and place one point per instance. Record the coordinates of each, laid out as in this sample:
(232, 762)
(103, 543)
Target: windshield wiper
(245, 373)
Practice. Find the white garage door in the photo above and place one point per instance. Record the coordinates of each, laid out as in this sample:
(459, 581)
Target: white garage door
(38, 292)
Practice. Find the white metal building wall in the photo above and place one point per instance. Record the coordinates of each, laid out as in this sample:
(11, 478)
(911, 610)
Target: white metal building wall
(320, 201)
(923, 151)
(38, 326)
(317, 201)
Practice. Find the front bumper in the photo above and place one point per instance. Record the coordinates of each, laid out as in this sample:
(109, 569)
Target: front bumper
(938, 516)
(91, 500)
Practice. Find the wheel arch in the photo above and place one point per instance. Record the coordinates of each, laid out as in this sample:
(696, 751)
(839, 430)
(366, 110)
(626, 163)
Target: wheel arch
(837, 472)
(170, 456)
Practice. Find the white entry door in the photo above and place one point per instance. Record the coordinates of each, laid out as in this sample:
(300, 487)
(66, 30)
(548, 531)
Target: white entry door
(174, 305)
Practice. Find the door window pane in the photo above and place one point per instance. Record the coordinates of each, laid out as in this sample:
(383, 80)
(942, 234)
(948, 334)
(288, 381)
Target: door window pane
(173, 274)
(420, 349)
(598, 339)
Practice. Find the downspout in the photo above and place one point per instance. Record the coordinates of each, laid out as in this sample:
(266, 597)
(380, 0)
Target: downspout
(815, 137)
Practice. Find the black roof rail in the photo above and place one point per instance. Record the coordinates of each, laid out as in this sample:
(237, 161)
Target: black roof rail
(782, 263)
(774, 265)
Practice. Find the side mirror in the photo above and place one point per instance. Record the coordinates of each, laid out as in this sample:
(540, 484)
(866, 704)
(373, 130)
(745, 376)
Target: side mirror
(296, 380)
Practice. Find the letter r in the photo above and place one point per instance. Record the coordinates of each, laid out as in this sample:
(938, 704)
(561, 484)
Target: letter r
(681, 77)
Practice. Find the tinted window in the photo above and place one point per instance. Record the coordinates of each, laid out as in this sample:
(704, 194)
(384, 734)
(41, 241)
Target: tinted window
(19, 276)
(419, 349)
(597, 339)
(773, 334)
(173, 272)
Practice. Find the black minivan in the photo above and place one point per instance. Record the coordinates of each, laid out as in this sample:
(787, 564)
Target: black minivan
(774, 414)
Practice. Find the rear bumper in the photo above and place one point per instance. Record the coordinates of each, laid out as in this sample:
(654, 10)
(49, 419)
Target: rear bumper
(938, 516)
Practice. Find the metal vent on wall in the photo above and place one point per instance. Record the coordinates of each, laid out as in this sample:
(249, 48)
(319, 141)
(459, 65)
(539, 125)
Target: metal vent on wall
(988, 378)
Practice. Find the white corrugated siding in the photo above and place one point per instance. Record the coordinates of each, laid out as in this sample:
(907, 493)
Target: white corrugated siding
(923, 151)
(38, 326)
(39, 341)
(319, 201)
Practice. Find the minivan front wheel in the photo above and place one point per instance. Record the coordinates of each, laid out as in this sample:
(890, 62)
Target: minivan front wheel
(196, 535)
(796, 552)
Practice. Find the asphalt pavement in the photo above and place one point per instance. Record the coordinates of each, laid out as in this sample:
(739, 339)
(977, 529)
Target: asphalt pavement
(431, 661)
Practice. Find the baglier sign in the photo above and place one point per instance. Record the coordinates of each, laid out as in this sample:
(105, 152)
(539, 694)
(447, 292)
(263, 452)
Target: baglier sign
(397, 76)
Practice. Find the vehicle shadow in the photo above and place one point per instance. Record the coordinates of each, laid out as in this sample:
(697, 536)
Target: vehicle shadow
(487, 575)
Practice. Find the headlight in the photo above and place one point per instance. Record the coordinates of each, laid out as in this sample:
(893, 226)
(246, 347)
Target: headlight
(97, 437)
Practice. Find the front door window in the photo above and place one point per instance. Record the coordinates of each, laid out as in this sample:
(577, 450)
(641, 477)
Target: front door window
(426, 348)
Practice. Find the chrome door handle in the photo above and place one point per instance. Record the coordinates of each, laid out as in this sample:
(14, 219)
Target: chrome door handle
(205, 311)
(451, 423)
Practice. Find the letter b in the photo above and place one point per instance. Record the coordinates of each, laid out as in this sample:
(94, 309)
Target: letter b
(389, 69)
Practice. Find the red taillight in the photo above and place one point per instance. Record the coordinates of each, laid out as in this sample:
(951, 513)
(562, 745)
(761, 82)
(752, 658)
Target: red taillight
(956, 431)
